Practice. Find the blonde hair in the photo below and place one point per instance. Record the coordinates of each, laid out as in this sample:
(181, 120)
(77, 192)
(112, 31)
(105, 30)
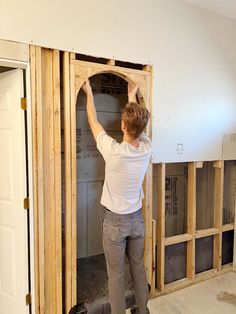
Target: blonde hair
(135, 118)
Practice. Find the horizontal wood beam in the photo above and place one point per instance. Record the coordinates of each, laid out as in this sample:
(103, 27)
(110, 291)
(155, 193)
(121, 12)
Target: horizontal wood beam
(228, 227)
(206, 233)
(178, 239)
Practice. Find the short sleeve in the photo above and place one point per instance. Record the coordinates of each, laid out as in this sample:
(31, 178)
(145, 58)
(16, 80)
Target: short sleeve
(105, 144)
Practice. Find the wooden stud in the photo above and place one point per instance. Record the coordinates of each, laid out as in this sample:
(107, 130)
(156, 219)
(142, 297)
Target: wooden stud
(72, 56)
(57, 175)
(35, 175)
(68, 182)
(153, 285)
(147, 68)
(234, 252)
(218, 210)
(191, 220)
(160, 227)
(111, 62)
(38, 147)
(73, 96)
(178, 239)
(49, 235)
(218, 164)
(199, 164)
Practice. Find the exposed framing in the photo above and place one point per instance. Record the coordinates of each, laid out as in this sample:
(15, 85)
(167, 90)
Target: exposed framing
(45, 96)
(46, 144)
(75, 73)
(192, 234)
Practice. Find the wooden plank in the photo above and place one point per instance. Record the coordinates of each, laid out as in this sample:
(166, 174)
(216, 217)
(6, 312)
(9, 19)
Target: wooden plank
(228, 227)
(206, 232)
(109, 68)
(72, 56)
(234, 252)
(153, 285)
(148, 67)
(160, 226)
(49, 183)
(178, 239)
(111, 62)
(218, 212)
(57, 175)
(40, 176)
(35, 177)
(146, 87)
(68, 181)
(218, 164)
(191, 220)
(199, 164)
(73, 97)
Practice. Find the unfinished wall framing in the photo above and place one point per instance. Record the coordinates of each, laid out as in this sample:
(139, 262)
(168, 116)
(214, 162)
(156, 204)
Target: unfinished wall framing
(75, 73)
(208, 233)
(46, 135)
(177, 232)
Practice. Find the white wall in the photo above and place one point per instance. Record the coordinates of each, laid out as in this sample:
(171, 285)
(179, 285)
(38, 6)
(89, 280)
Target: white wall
(192, 50)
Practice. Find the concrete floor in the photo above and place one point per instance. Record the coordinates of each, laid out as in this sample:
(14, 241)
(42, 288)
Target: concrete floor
(214, 296)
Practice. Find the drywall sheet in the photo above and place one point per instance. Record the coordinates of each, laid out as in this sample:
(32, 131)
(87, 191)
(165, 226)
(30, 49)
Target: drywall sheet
(175, 198)
(205, 178)
(229, 192)
(192, 51)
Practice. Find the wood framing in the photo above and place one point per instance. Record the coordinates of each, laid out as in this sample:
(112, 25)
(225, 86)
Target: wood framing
(234, 252)
(192, 234)
(46, 128)
(160, 226)
(75, 73)
(218, 210)
(45, 92)
(191, 220)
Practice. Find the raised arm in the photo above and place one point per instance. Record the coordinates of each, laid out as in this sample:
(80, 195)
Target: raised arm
(96, 127)
(132, 91)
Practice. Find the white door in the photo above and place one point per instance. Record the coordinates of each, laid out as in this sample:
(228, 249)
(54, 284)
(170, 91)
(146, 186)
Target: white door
(13, 216)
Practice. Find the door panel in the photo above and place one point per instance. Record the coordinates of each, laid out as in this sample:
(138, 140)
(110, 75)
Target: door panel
(13, 217)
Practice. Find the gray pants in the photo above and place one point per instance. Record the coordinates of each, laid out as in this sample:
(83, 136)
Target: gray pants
(124, 234)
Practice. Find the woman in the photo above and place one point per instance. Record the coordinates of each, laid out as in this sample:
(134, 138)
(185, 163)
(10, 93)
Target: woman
(123, 227)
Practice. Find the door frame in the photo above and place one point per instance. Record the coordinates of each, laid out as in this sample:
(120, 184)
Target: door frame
(23, 63)
(75, 72)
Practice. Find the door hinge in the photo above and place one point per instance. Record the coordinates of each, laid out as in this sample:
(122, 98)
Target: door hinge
(26, 203)
(24, 103)
(28, 299)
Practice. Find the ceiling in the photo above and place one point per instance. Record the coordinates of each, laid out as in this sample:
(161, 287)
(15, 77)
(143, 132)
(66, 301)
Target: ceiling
(223, 7)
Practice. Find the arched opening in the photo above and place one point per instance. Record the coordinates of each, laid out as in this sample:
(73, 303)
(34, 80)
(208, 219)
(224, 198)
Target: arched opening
(110, 97)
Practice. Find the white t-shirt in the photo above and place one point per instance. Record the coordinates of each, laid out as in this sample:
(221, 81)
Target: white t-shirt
(125, 169)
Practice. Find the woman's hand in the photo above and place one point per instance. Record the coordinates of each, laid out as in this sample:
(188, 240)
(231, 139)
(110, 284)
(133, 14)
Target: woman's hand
(132, 91)
(86, 87)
